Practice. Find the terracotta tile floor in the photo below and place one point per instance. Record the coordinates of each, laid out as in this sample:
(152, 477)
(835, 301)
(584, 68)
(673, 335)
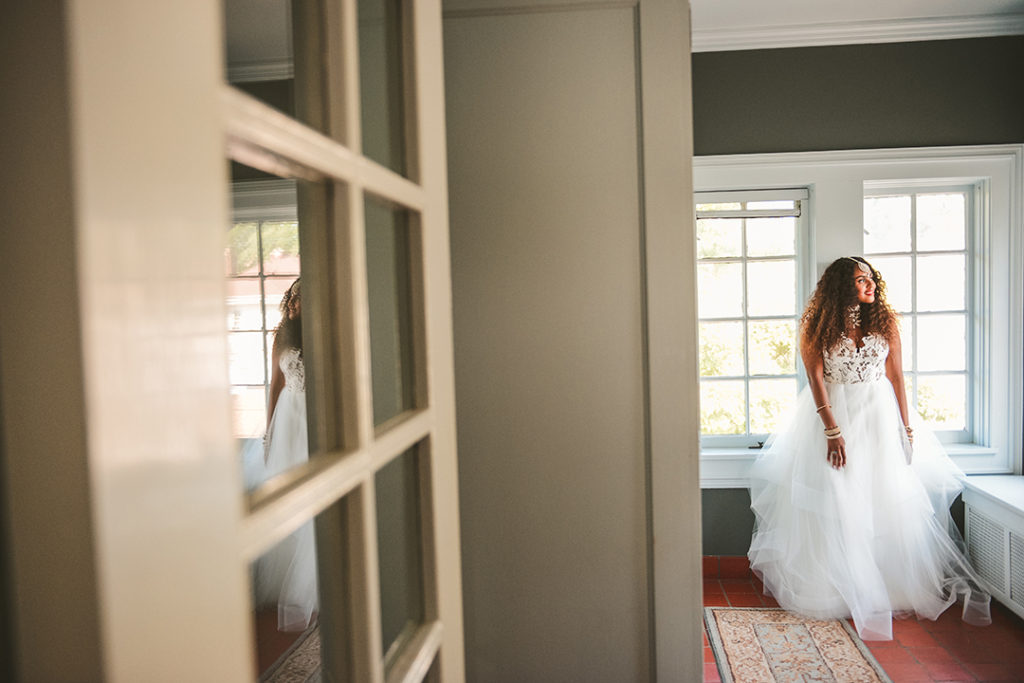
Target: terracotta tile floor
(943, 650)
(270, 643)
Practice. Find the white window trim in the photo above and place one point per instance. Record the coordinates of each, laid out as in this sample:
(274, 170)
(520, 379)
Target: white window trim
(836, 181)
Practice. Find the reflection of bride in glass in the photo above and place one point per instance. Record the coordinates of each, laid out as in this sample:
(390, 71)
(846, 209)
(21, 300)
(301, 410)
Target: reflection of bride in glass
(286, 575)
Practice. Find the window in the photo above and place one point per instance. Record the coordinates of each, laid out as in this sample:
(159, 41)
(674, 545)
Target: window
(919, 239)
(749, 287)
(943, 225)
(261, 262)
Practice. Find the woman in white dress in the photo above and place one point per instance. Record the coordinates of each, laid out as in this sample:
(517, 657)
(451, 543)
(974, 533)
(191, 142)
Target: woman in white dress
(852, 511)
(286, 575)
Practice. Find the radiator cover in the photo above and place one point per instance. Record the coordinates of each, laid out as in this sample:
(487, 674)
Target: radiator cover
(994, 531)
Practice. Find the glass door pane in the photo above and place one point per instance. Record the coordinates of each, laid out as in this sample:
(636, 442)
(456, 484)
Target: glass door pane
(388, 266)
(400, 545)
(382, 82)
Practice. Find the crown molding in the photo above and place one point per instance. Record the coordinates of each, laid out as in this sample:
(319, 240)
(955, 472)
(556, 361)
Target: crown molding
(856, 32)
(250, 72)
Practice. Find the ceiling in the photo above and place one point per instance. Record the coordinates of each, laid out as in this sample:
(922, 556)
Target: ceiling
(746, 24)
(258, 33)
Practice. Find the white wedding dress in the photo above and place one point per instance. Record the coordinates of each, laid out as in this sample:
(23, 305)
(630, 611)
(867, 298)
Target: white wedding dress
(286, 574)
(875, 538)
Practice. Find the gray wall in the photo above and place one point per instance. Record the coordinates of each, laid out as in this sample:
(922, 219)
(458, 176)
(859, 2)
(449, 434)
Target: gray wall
(952, 92)
(546, 243)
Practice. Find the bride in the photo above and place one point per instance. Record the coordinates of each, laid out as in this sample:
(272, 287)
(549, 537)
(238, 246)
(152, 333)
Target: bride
(852, 511)
(286, 575)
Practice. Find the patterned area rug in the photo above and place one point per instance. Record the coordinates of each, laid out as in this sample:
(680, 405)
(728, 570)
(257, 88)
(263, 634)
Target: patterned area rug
(755, 645)
(300, 663)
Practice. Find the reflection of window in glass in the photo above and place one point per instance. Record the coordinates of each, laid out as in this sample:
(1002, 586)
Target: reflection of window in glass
(920, 242)
(748, 287)
(261, 262)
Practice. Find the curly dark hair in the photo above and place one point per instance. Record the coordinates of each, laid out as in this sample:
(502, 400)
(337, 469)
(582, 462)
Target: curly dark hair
(288, 334)
(824, 320)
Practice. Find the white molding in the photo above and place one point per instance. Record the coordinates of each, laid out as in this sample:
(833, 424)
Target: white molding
(858, 32)
(836, 180)
(271, 70)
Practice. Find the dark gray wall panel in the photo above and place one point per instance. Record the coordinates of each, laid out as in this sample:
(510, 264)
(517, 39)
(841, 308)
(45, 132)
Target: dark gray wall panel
(727, 521)
(950, 92)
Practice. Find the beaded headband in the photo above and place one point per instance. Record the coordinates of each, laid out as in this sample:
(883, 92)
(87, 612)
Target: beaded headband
(864, 268)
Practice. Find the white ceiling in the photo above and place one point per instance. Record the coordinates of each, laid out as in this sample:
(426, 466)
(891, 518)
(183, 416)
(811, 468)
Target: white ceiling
(745, 24)
(258, 32)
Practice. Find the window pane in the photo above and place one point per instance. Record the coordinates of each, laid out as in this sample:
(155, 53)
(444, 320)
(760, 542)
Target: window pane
(941, 221)
(280, 247)
(245, 305)
(886, 224)
(718, 237)
(720, 206)
(721, 349)
(942, 400)
(771, 204)
(770, 400)
(722, 407)
(772, 347)
(771, 288)
(941, 282)
(895, 272)
(907, 342)
(274, 289)
(942, 342)
(245, 358)
(242, 255)
(249, 412)
(720, 290)
(771, 236)
(387, 264)
(382, 82)
(400, 545)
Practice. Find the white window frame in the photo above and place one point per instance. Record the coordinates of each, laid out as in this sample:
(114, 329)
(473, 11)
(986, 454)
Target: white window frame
(804, 283)
(837, 181)
(976, 328)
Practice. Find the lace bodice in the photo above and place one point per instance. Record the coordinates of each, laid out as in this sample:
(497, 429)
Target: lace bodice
(293, 369)
(846, 364)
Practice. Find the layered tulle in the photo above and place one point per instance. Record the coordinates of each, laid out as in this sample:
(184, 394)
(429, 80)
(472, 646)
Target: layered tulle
(286, 574)
(871, 540)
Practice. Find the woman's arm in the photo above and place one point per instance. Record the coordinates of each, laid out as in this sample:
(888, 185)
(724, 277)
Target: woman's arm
(814, 363)
(894, 372)
(276, 380)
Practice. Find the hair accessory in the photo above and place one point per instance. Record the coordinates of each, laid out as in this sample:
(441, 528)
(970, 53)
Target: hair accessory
(864, 268)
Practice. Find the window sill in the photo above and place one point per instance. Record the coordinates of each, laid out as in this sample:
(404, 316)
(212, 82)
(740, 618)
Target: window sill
(726, 468)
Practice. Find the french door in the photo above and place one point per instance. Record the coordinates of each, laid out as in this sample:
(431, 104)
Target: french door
(153, 127)
(366, 149)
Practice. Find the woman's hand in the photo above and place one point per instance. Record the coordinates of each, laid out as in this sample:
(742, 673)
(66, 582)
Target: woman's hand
(836, 452)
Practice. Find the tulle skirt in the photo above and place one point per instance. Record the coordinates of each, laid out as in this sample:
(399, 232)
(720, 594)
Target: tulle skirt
(286, 574)
(871, 540)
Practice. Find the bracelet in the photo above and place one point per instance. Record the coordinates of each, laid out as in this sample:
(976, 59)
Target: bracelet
(823, 408)
(833, 432)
